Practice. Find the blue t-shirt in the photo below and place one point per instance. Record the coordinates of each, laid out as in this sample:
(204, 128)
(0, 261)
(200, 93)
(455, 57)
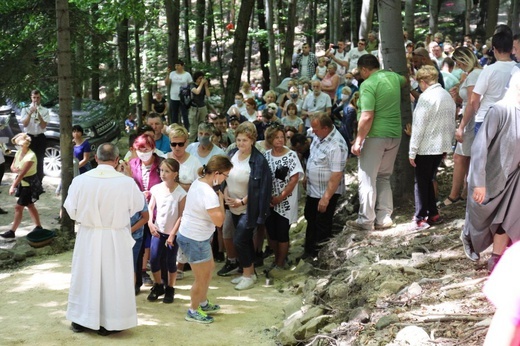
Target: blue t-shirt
(136, 217)
(163, 144)
(79, 150)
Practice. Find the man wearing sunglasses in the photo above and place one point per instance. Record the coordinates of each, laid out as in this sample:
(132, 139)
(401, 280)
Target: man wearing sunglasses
(162, 142)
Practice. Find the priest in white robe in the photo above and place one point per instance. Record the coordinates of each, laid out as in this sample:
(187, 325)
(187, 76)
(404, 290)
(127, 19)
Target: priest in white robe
(101, 295)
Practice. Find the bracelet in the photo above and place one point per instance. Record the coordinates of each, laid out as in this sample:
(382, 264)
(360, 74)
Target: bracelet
(242, 201)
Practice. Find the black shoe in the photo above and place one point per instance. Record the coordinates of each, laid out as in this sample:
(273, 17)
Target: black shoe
(2, 211)
(37, 228)
(228, 269)
(147, 280)
(103, 332)
(156, 291)
(468, 247)
(8, 235)
(76, 328)
(137, 289)
(168, 295)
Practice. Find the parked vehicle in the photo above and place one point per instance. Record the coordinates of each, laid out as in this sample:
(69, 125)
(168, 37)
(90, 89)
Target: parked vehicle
(93, 118)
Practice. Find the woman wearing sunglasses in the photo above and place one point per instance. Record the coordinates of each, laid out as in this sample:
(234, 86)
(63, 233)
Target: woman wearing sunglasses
(189, 164)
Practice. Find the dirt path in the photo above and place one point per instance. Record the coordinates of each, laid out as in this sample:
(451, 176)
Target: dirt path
(34, 301)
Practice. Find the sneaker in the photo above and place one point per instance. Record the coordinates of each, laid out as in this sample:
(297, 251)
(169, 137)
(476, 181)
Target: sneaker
(210, 308)
(168, 295)
(434, 220)
(156, 291)
(180, 275)
(492, 262)
(354, 224)
(385, 225)
(245, 283)
(228, 269)
(239, 278)
(3, 211)
(147, 280)
(8, 235)
(198, 316)
(468, 247)
(420, 225)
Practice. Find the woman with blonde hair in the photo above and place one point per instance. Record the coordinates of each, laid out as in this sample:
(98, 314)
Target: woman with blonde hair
(189, 164)
(26, 186)
(466, 61)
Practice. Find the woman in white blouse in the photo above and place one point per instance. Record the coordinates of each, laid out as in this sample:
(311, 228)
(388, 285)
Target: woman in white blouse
(433, 128)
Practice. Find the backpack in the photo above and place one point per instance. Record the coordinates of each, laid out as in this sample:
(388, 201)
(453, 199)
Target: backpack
(185, 95)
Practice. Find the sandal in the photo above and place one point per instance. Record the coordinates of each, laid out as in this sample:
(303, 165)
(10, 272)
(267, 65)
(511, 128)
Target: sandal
(449, 201)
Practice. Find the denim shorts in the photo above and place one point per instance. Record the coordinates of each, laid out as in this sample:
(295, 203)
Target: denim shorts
(194, 250)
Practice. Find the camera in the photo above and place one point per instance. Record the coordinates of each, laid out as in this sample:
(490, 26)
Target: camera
(335, 46)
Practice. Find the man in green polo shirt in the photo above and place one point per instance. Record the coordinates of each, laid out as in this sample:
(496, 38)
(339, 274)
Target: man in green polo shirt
(377, 142)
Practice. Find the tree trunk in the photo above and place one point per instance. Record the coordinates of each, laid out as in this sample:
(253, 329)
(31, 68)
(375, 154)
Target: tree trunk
(434, 16)
(262, 46)
(187, 48)
(467, 17)
(139, 105)
(207, 39)
(200, 10)
(250, 49)
(65, 99)
(270, 38)
(95, 55)
(173, 21)
(355, 16)
(515, 17)
(239, 45)
(409, 16)
(367, 15)
(393, 56)
(492, 17)
(285, 69)
(123, 105)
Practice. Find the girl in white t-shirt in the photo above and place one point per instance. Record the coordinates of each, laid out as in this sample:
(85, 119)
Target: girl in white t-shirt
(167, 200)
(204, 211)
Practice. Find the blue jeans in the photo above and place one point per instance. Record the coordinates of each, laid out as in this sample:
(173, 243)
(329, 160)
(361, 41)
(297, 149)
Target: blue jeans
(477, 127)
(194, 250)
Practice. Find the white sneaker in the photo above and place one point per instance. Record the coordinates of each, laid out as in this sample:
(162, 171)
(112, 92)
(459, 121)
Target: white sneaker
(245, 283)
(236, 280)
(180, 275)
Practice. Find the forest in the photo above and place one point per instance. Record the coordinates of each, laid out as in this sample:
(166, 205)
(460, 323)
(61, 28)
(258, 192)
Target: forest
(119, 51)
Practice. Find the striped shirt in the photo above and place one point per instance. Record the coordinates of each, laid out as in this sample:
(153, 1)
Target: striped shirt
(326, 156)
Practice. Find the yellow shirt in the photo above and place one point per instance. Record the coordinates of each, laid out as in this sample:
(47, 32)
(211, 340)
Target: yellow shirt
(20, 162)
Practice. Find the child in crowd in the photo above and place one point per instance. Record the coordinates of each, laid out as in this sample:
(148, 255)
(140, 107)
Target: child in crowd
(292, 119)
(167, 200)
(321, 69)
(130, 123)
(137, 222)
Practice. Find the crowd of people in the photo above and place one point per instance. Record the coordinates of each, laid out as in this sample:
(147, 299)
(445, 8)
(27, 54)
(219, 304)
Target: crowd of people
(216, 186)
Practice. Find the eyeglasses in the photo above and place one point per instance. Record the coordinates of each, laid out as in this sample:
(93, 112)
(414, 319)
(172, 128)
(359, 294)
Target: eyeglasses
(226, 175)
(180, 144)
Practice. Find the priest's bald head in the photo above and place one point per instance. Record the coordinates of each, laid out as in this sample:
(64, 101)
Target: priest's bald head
(107, 153)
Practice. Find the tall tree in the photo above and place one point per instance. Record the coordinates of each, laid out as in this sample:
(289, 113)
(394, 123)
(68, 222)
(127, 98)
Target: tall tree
(123, 104)
(515, 17)
(173, 22)
(262, 44)
(65, 100)
(187, 48)
(285, 68)
(367, 15)
(238, 57)
(200, 9)
(207, 36)
(95, 53)
(434, 16)
(409, 16)
(492, 16)
(270, 39)
(393, 56)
